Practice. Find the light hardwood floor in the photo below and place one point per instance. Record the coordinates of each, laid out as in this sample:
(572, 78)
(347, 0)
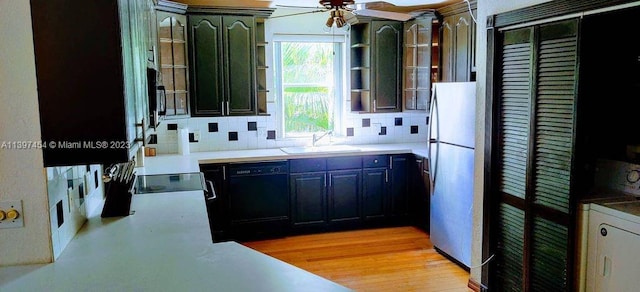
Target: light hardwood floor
(386, 259)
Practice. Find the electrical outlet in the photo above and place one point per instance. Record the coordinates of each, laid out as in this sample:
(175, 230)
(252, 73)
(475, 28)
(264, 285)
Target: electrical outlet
(11, 215)
(196, 135)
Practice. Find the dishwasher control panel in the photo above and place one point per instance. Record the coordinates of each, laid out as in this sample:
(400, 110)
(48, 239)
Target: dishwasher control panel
(262, 168)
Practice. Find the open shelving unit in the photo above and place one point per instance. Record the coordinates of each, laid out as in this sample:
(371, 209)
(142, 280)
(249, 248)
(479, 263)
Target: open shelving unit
(360, 67)
(261, 67)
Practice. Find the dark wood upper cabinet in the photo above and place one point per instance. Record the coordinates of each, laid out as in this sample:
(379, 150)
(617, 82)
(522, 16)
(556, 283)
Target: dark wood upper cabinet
(457, 37)
(227, 69)
(91, 59)
(205, 54)
(418, 62)
(376, 66)
(386, 63)
(173, 65)
(239, 64)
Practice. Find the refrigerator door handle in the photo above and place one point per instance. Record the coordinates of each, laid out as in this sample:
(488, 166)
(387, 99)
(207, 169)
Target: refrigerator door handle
(433, 161)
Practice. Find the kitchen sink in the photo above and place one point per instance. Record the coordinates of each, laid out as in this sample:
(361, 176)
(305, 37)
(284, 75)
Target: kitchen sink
(321, 149)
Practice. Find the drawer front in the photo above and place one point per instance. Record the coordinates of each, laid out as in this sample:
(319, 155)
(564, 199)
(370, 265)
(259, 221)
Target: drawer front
(346, 162)
(375, 161)
(307, 165)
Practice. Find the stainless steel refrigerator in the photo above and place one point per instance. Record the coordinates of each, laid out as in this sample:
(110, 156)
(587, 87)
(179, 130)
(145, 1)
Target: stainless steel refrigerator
(451, 154)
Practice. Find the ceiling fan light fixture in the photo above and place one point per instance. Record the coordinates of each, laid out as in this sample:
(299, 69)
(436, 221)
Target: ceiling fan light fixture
(329, 21)
(329, 4)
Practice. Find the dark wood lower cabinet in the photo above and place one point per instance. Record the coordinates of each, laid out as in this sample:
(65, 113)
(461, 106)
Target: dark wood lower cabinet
(308, 195)
(421, 184)
(374, 192)
(400, 187)
(323, 194)
(345, 189)
(217, 209)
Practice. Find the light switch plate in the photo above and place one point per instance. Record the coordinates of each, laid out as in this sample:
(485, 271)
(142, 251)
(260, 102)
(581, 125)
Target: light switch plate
(5, 206)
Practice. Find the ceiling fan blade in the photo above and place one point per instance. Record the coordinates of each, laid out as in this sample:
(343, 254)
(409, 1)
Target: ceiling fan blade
(383, 14)
(299, 13)
(299, 7)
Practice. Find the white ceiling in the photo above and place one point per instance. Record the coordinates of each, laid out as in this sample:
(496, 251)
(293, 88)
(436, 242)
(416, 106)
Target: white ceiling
(390, 5)
(313, 3)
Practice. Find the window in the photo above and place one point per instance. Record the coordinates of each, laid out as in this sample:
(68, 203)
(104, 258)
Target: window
(310, 84)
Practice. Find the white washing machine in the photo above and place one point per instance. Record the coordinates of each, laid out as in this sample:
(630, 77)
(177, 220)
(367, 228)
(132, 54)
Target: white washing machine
(610, 231)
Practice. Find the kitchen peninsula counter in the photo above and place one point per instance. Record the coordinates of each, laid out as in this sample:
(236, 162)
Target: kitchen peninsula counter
(164, 246)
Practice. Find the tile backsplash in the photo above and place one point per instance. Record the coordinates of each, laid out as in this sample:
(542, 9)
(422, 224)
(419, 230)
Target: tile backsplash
(74, 193)
(260, 132)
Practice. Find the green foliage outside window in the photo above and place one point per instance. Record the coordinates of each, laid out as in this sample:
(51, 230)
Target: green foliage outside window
(307, 83)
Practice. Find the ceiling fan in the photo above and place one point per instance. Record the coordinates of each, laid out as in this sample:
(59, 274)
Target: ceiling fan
(343, 11)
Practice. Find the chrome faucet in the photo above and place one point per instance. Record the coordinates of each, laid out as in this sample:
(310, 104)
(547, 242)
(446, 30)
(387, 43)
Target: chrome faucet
(317, 138)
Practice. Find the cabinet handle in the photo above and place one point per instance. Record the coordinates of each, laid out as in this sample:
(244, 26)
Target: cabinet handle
(222, 107)
(386, 175)
(390, 162)
(224, 172)
(374, 106)
(211, 191)
(329, 180)
(228, 112)
(325, 180)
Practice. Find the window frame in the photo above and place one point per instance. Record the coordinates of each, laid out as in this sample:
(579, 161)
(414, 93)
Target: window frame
(340, 80)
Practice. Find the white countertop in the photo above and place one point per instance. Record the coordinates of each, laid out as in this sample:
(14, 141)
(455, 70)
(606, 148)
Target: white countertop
(175, 163)
(164, 246)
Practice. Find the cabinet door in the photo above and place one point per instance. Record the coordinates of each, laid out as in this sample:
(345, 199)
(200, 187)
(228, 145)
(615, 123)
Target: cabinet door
(344, 195)
(417, 64)
(83, 85)
(386, 66)
(374, 192)
(463, 47)
(239, 65)
(458, 48)
(205, 54)
(308, 198)
(419, 184)
(399, 176)
(447, 55)
(172, 29)
(217, 209)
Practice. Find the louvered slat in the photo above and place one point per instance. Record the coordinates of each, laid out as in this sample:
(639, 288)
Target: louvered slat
(510, 248)
(514, 121)
(549, 256)
(554, 121)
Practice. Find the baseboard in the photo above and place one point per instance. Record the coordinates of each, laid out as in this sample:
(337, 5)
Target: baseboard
(475, 286)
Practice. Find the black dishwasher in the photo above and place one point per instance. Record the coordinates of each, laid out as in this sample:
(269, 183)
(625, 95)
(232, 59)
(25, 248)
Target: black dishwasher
(258, 199)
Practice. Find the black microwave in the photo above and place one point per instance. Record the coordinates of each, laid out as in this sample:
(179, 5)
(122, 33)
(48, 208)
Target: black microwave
(157, 98)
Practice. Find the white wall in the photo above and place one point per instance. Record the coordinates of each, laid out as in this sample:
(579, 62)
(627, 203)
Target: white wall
(22, 176)
(485, 8)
